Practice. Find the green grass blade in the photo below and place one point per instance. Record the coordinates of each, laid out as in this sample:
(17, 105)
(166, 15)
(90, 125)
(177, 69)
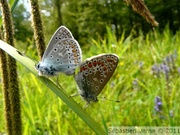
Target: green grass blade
(29, 64)
(13, 4)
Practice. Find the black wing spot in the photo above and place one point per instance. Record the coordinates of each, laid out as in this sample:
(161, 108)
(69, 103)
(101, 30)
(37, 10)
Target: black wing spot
(88, 83)
(51, 56)
(85, 73)
(101, 81)
(55, 49)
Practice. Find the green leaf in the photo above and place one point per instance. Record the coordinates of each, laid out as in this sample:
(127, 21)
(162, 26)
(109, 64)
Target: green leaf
(29, 64)
(13, 4)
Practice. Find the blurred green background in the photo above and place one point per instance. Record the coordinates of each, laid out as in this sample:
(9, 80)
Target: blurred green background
(146, 81)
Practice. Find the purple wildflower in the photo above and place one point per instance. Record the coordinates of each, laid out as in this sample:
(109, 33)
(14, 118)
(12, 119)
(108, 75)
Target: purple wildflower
(156, 70)
(135, 84)
(165, 69)
(158, 104)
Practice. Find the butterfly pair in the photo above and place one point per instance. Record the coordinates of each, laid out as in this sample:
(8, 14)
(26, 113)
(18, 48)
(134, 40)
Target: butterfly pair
(63, 54)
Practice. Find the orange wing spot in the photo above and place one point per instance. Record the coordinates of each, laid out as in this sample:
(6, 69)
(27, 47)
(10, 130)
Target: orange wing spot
(102, 64)
(114, 63)
(72, 46)
(109, 59)
(90, 65)
(65, 42)
(76, 62)
(94, 63)
(106, 72)
(74, 50)
(70, 43)
(104, 68)
(75, 55)
(99, 62)
(83, 69)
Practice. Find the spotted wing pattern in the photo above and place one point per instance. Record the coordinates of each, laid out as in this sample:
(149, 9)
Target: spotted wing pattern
(94, 75)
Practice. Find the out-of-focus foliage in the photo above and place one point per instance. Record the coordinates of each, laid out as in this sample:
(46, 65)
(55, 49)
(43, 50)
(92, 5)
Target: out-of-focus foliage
(88, 19)
(22, 26)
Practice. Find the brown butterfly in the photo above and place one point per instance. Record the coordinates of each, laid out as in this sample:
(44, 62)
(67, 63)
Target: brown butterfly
(94, 74)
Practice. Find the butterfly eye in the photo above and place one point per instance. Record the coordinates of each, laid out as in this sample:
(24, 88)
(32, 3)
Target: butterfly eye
(38, 65)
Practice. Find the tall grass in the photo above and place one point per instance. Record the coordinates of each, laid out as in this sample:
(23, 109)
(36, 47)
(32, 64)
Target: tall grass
(135, 84)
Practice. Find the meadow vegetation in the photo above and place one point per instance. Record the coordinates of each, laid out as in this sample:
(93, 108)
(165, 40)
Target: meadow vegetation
(146, 82)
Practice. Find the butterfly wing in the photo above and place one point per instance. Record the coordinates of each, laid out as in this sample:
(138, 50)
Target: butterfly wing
(61, 33)
(94, 75)
(64, 56)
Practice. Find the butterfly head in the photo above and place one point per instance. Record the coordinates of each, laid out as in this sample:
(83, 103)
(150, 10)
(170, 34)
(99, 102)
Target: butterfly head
(89, 97)
(44, 70)
(85, 90)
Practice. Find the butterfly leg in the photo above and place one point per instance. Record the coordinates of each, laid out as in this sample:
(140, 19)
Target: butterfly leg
(57, 83)
(86, 106)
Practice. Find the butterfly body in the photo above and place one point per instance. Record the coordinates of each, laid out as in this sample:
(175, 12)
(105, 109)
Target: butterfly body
(94, 75)
(63, 54)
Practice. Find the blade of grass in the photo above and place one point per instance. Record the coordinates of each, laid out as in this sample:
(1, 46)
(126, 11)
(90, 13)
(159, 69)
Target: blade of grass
(29, 64)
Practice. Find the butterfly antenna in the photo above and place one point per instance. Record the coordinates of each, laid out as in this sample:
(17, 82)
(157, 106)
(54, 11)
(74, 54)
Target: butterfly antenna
(104, 98)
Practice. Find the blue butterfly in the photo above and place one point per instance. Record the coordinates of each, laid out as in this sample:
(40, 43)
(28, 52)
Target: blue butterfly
(63, 54)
